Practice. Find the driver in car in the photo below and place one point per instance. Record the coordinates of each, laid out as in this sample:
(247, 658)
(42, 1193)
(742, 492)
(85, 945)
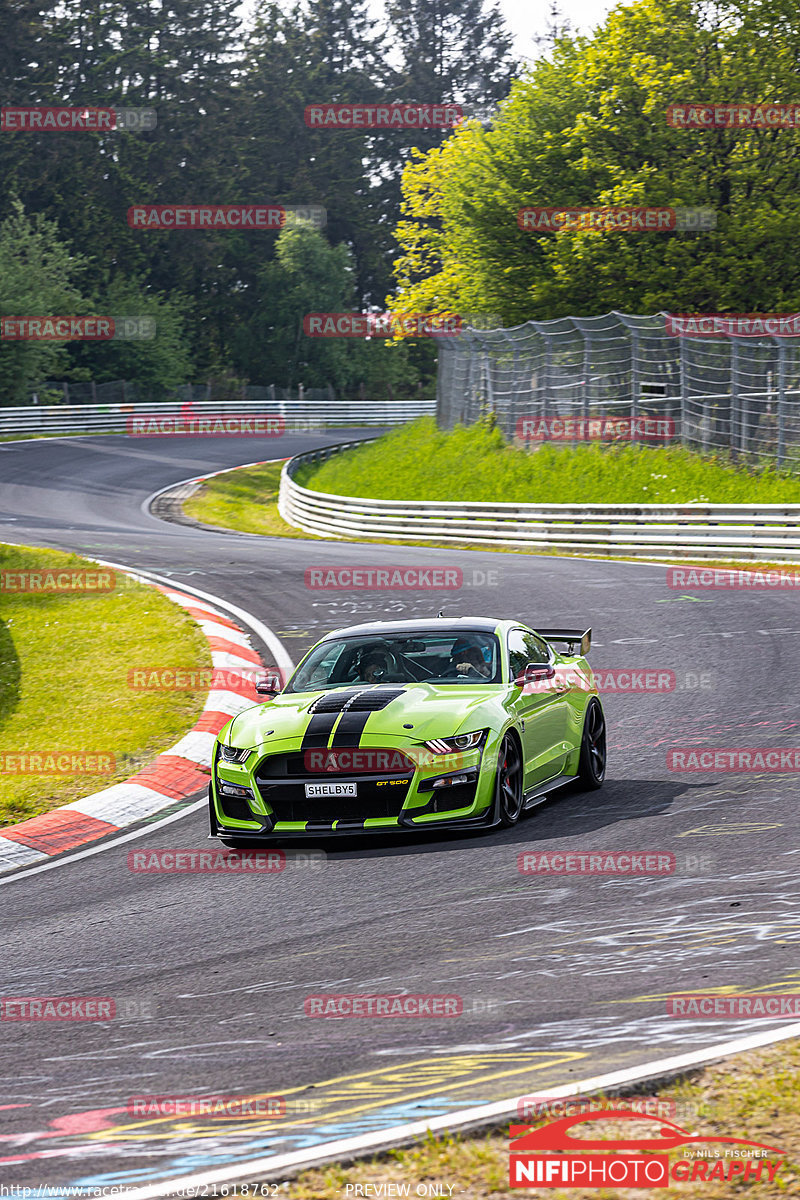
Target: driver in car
(375, 666)
(467, 659)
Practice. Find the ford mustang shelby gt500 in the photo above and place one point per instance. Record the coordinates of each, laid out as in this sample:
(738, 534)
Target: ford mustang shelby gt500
(403, 725)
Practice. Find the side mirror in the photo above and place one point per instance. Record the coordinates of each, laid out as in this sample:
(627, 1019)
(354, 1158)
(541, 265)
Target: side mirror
(533, 673)
(268, 685)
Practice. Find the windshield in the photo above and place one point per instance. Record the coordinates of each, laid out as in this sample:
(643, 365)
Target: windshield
(441, 658)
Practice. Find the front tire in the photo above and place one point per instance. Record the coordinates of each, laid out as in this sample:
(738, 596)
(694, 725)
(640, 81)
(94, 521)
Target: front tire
(592, 763)
(508, 783)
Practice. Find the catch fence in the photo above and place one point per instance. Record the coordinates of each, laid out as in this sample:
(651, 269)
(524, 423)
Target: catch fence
(624, 377)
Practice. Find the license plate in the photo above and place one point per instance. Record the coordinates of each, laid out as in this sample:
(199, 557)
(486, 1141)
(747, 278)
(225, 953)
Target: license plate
(330, 789)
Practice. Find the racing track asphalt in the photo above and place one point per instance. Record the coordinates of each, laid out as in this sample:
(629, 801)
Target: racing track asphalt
(569, 972)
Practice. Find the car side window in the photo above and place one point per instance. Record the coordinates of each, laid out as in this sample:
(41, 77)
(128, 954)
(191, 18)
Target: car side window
(538, 651)
(517, 652)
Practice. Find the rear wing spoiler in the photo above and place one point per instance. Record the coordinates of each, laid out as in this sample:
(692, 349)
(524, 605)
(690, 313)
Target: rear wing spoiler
(572, 637)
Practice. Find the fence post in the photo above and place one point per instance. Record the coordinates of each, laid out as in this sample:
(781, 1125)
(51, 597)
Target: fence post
(548, 362)
(734, 434)
(781, 449)
(635, 383)
(684, 412)
(587, 383)
(488, 404)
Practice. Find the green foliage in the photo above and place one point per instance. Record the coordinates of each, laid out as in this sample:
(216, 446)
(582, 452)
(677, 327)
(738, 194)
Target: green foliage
(156, 364)
(421, 462)
(589, 128)
(309, 275)
(62, 691)
(244, 499)
(230, 130)
(38, 274)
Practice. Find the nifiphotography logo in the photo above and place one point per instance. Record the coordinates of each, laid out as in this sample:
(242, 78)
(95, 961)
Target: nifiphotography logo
(553, 1156)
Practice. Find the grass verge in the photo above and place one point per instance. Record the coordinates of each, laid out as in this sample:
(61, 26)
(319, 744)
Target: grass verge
(420, 462)
(64, 663)
(754, 1096)
(245, 499)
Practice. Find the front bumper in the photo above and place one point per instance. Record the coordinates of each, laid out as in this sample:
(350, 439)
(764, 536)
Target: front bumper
(276, 804)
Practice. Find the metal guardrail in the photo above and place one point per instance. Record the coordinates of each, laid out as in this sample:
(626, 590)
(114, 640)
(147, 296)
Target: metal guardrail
(299, 415)
(765, 532)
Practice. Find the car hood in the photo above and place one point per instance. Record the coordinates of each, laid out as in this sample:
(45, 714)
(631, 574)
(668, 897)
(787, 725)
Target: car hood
(432, 712)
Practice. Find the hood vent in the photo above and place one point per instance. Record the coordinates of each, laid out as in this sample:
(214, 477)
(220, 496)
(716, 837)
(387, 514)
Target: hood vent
(359, 700)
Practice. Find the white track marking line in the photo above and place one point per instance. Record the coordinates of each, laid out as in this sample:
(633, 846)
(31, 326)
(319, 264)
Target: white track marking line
(118, 841)
(484, 1114)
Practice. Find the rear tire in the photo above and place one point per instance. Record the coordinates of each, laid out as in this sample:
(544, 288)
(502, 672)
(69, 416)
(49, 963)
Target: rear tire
(592, 763)
(508, 783)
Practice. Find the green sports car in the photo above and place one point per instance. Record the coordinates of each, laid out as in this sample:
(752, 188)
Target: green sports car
(411, 725)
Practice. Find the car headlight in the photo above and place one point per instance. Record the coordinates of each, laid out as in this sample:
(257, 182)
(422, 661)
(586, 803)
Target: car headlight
(461, 742)
(232, 755)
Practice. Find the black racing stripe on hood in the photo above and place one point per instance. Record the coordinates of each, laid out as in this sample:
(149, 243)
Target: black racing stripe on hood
(318, 730)
(350, 728)
(358, 710)
(325, 712)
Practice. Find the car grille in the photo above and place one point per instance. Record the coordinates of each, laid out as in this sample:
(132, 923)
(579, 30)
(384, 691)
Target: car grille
(325, 763)
(290, 803)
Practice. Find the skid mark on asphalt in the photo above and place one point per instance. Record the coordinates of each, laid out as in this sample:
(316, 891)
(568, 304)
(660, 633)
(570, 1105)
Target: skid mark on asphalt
(337, 1107)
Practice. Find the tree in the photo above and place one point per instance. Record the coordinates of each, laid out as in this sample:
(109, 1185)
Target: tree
(156, 364)
(40, 277)
(308, 275)
(589, 128)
